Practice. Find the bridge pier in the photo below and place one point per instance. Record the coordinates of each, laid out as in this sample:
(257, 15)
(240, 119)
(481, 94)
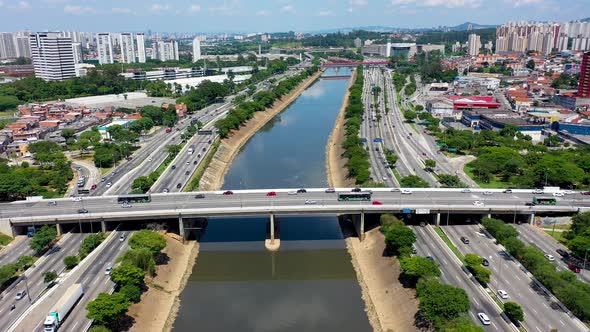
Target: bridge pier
(437, 219)
(271, 243)
(58, 229)
(532, 219)
(489, 215)
(181, 227)
(103, 226)
(359, 225)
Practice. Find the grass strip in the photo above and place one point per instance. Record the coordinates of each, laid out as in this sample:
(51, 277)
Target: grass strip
(450, 244)
(196, 178)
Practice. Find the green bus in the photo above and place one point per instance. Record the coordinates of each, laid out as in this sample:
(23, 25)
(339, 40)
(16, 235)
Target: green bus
(544, 201)
(352, 196)
(134, 198)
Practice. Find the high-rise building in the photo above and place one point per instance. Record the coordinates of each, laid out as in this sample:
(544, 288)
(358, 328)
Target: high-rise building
(473, 44)
(104, 47)
(127, 47)
(584, 83)
(23, 48)
(77, 50)
(168, 50)
(7, 47)
(52, 56)
(196, 49)
(140, 47)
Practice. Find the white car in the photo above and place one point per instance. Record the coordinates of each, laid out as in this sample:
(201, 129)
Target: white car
(109, 184)
(150, 159)
(487, 192)
(76, 199)
(485, 320)
(309, 201)
(292, 192)
(568, 192)
(108, 270)
(20, 295)
(502, 294)
(537, 191)
(126, 205)
(466, 190)
(406, 192)
(558, 194)
(550, 258)
(478, 203)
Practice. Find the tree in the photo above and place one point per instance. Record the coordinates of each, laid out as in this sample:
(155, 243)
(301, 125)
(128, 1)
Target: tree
(8, 103)
(43, 238)
(131, 292)
(417, 267)
(7, 271)
(125, 274)
(461, 324)
(142, 184)
(92, 135)
(413, 181)
(70, 262)
(450, 181)
(142, 258)
(439, 302)
(399, 238)
(107, 308)
(410, 116)
(531, 64)
(151, 240)
(514, 312)
(173, 149)
(99, 328)
(49, 276)
(430, 164)
(68, 133)
(24, 262)
(90, 243)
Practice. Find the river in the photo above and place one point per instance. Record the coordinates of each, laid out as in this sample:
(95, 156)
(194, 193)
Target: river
(309, 284)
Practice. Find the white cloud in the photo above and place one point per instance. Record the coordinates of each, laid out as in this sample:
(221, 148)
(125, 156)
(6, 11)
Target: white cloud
(518, 3)
(263, 13)
(160, 7)
(194, 8)
(119, 10)
(23, 5)
(226, 8)
(78, 10)
(442, 3)
(1, 4)
(288, 8)
(326, 13)
(353, 4)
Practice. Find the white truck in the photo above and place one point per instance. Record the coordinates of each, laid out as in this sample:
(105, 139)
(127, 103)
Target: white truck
(63, 306)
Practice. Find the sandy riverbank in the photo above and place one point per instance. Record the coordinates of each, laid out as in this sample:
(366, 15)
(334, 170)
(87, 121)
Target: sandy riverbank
(212, 179)
(389, 306)
(159, 305)
(336, 169)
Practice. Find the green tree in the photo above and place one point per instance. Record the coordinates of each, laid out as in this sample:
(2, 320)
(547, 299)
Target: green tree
(413, 181)
(439, 302)
(107, 308)
(99, 328)
(131, 292)
(514, 312)
(91, 135)
(43, 238)
(461, 324)
(68, 133)
(24, 262)
(531, 64)
(126, 274)
(399, 238)
(142, 184)
(416, 267)
(70, 262)
(430, 164)
(142, 258)
(90, 243)
(8, 102)
(173, 149)
(49, 276)
(7, 271)
(451, 181)
(151, 240)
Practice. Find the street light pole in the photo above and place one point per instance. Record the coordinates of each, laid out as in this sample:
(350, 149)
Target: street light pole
(27, 287)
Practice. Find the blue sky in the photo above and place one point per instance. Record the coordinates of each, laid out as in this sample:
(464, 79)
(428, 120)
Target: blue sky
(272, 15)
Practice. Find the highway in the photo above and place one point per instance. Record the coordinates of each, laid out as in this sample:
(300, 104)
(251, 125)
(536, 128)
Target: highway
(427, 244)
(20, 246)
(51, 261)
(507, 276)
(532, 235)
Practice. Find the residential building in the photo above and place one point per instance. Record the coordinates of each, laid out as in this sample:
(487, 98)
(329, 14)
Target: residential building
(358, 42)
(168, 50)
(77, 50)
(7, 47)
(474, 44)
(584, 83)
(127, 47)
(104, 47)
(23, 48)
(52, 55)
(140, 47)
(196, 49)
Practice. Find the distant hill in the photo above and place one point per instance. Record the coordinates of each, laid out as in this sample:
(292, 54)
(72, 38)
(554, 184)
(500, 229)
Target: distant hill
(587, 19)
(474, 26)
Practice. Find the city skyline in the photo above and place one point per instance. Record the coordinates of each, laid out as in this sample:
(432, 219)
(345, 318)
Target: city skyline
(275, 15)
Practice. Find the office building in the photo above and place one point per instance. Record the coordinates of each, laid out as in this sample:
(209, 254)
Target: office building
(140, 47)
(584, 83)
(168, 50)
(104, 47)
(52, 55)
(127, 47)
(77, 50)
(196, 49)
(473, 44)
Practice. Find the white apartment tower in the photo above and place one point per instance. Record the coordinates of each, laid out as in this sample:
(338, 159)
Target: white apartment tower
(52, 56)
(127, 47)
(168, 50)
(77, 51)
(140, 47)
(196, 49)
(473, 44)
(7, 47)
(104, 46)
(23, 48)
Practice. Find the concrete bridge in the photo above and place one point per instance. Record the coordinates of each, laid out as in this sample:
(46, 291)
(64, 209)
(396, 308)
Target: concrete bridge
(354, 63)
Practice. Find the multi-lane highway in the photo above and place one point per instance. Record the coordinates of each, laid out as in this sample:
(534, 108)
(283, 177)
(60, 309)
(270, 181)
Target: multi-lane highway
(34, 279)
(508, 276)
(20, 246)
(428, 244)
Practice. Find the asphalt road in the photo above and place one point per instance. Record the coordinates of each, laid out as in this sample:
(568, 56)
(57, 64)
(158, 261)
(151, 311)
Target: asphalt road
(19, 247)
(507, 276)
(549, 245)
(427, 244)
(51, 261)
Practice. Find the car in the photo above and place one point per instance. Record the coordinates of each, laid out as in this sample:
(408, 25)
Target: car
(529, 204)
(558, 194)
(93, 186)
(52, 203)
(384, 178)
(563, 253)
(585, 193)
(330, 191)
(122, 237)
(128, 158)
(574, 268)
(271, 193)
(82, 211)
(395, 190)
(550, 258)
(309, 201)
(485, 262)
(198, 156)
(301, 191)
(195, 162)
(502, 294)
(109, 184)
(430, 258)
(485, 320)
(166, 190)
(406, 192)
(466, 190)
(464, 240)
(487, 192)
(103, 180)
(538, 191)
(150, 159)
(292, 192)
(76, 199)
(187, 173)
(568, 192)
(204, 149)
(20, 295)
(179, 185)
(228, 192)
(209, 141)
(414, 251)
(126, 205)
(478, 203)
(508, 191)
(108, 270)
(199, 196)
(188, 162)
(356, 190)
(173, 167)
(377, 203)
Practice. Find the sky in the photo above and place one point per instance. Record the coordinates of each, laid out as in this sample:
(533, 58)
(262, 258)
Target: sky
(273, 15)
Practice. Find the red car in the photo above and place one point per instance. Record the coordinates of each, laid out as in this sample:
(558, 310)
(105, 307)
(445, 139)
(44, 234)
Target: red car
(229, 192)
(574, 268)
(377, 203)
(585, 193)
(93, 187)
(271, 193)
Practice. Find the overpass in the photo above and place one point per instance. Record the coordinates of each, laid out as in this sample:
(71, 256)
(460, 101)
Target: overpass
(354, 63)
(429, 202)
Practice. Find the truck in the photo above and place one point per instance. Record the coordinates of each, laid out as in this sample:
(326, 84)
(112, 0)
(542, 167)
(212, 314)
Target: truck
(30, 231)
(63, 307)
(191, 149)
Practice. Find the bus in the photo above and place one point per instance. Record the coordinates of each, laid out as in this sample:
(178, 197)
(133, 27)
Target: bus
(544, 201)
(134, 198)
(359, 196)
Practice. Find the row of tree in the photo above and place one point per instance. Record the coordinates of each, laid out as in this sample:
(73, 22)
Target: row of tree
(142, 184)
(572, 292)
(88, 245)
(578, 237)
